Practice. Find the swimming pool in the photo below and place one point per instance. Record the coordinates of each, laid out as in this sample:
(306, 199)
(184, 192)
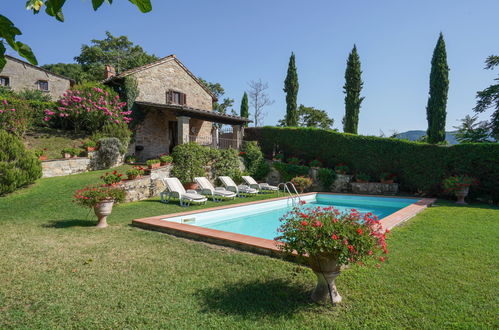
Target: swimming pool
(252, 226)
(262, 219)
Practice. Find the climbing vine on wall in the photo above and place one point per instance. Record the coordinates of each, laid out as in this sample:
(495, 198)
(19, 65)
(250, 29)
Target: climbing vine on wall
(129, 91)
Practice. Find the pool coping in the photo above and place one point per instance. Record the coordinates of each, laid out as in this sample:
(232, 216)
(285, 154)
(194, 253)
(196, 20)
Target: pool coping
(256, 244)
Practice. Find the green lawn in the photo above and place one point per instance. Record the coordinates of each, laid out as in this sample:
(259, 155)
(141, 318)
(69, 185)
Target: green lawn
(53, 140)
(58, 271)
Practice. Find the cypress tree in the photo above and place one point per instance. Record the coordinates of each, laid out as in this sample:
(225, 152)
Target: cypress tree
(439, 86)
(291, 90)
(244, 107)
(352, 89)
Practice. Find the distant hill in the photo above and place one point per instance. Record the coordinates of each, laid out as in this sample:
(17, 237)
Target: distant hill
(415, 135)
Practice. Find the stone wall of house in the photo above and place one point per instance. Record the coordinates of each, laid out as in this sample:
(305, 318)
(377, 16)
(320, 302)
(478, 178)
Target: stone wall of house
(154, 82)
(61, 167)
(23, 75)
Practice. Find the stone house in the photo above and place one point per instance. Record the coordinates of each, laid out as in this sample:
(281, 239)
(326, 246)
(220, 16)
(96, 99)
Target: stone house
(177, 108)
(20, 75)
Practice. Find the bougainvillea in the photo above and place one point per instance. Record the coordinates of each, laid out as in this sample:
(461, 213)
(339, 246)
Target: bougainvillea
(15, 119)
(349, 235)
(88, 108)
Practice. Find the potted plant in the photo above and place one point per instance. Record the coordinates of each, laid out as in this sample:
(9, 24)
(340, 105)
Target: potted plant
(130, 159)
(101, 199)
(134, 173)
(459, 185)
(165, 160)
(189, 161)
(293, 161)
(302, 183)
(387, 178)
(112, 178)
(362, 178)
(329, 239)
(153, 163)
(315, 163)
(70, 152)
(41, 154)
(89, 145)
(342, 168)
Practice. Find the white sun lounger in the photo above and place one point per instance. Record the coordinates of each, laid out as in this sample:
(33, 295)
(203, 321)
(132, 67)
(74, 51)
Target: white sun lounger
(217, 194)
(174, 189)
(240, 190)
(259, 186)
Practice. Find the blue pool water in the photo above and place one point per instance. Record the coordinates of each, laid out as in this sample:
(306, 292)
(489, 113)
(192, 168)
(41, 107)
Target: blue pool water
(262, 219)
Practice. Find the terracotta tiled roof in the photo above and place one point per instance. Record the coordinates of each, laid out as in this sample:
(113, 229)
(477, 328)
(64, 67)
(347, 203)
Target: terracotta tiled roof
(158, 62)
(197, 113)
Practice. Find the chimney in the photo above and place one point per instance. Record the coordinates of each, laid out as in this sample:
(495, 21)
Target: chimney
(110, 72)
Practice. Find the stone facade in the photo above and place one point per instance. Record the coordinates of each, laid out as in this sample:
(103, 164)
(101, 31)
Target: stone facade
(22, 75)
(61, 167)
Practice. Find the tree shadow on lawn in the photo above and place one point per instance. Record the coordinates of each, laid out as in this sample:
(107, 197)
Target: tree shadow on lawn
(70, 223)
(255, 299)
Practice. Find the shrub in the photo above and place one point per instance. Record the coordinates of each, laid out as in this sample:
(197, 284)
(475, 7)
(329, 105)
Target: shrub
(89, 144)
(293, 161)
(111, 130)
(165, 159)
(326, 176)
(342, 168)
(254, 161)
(302, 183)
(130, 159)
(151, 162)
(363, 177)
(111, 178)
(34, 95)
(227, 163)
(289, 171)
(189, 160)
(15, 119)
(108, 152)
(350, 236)
(88, 107)
(92, 195)
(18, 166)
(315, 163)
(70, 151)
(419, 166)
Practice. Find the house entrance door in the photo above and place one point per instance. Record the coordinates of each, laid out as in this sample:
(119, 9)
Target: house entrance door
(172, 135)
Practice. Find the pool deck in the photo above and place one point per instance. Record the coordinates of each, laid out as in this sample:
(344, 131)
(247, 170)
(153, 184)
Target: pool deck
(256, 244)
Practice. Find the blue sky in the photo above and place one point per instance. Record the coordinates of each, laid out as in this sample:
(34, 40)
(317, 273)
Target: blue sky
(233, 42)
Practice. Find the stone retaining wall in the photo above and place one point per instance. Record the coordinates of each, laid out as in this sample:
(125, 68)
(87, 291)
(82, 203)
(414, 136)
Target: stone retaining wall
(147, 186)
(61, 167)
(375, 188)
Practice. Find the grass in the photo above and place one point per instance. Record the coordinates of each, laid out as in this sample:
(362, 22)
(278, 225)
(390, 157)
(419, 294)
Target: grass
(53, 140)
(58, 271)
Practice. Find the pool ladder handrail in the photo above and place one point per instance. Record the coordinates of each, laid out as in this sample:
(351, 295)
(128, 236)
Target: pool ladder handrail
(290, 193)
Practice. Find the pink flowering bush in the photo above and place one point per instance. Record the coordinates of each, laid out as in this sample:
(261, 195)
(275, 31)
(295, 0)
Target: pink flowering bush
(349, 235)
(89, 108)
(15, 119)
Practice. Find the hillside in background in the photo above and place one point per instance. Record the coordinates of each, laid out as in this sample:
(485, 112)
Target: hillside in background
(415, 135)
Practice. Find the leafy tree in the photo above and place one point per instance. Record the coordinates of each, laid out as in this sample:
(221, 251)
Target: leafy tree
(9, 32)
(219, 92)
(244, 107)
(291, 89)
(489, 98)
(471, 131)
(70, 70)
(352, 88)
(439, 87)
(119, 52)
(259, 99)
(311, 117)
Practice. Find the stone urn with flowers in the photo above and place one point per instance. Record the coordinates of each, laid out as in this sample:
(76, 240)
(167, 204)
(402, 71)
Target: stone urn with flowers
(101, 199)
(459, 186)
(329, 239)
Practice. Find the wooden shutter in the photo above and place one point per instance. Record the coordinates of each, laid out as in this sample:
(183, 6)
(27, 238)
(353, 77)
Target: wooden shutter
(184, 99)
(169, 97)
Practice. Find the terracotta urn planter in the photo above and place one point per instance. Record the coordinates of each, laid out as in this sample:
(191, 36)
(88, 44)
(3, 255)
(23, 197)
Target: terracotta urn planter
(327, 269)
(461, 195)
(191, 185)
(102, 210)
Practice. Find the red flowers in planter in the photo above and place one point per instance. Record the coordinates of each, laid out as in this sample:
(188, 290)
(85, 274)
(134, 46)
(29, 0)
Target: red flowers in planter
(350, 235)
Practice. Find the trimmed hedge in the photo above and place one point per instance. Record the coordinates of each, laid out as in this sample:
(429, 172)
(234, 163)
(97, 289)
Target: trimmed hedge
(418, 166)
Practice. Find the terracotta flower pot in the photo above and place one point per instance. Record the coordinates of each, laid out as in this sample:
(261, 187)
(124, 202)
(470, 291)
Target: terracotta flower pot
(164, 164)
(132, 177)
(155, 165)
(361, 181)
(387, 181)
(42, 157)
(327, 269)
(191, 185)
(89, 149)
(461, 194)
(67, 155)
(102, 210)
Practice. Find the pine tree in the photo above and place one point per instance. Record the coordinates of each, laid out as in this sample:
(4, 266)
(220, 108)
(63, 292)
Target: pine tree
(291, 90)
(244, 107)
(352, 89)
(439, 87)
